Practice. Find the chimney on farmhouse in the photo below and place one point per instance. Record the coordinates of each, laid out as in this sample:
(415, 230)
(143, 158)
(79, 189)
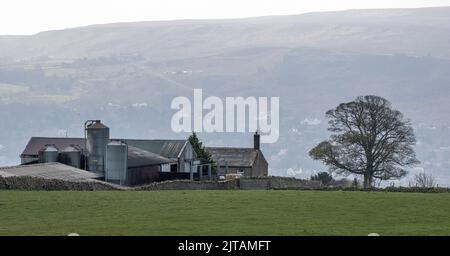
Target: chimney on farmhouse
(256, 141)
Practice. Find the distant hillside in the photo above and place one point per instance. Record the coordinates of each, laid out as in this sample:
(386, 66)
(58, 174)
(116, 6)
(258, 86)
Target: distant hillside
(409, 31)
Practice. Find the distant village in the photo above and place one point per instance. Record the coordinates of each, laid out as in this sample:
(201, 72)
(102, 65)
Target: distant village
(132, 162)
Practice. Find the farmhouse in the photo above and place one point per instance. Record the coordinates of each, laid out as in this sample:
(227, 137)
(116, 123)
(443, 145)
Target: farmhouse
(248, 162)
(134, 161)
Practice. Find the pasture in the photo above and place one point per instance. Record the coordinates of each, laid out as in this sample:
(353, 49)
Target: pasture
(230, 212)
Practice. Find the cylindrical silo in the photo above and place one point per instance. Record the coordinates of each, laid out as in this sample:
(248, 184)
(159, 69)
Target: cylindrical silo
(48, 154)
(71, 155)
(116, 164)
(97, 137)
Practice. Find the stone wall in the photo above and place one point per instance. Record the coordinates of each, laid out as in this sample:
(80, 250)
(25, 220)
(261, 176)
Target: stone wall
(243, 183)
(190, 185)
(277, 183)
(34, 183)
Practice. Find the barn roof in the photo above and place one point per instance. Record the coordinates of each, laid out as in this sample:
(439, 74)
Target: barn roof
(138, 157)
(49, 171)
(37, 143)
(233, 157)
(165, 148)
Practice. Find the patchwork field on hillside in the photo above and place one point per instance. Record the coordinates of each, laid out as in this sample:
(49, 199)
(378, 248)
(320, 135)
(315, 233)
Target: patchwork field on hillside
(256, 212)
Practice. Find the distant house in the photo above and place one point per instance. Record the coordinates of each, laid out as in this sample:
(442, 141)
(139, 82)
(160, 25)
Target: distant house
(250, 162)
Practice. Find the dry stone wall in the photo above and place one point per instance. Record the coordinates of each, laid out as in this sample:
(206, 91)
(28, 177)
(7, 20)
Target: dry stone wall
(278, 183)
(190, 185)
(34, 183)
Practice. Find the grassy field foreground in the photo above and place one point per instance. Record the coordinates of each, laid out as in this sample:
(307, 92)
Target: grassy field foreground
(257, 212)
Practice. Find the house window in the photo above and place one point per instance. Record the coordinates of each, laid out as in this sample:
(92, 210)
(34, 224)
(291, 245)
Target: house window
(173, 168)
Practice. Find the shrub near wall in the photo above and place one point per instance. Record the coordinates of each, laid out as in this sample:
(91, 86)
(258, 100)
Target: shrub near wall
(34, 183)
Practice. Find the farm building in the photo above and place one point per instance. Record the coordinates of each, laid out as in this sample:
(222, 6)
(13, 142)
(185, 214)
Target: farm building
(121, 161)
(248, 162)
(134, 161)
(49, 171)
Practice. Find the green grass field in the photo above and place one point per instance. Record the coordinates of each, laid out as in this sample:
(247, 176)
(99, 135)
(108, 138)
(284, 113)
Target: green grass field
(257, 212)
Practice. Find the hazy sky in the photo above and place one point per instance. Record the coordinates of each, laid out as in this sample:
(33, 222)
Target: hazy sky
(32, 16)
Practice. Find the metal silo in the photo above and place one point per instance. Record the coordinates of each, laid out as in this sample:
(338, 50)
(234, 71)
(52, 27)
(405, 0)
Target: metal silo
(71, 155)
(97, 137)
(48, 154)
(116, 163)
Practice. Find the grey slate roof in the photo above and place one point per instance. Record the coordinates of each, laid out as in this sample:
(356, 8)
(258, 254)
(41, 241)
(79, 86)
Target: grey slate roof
(233, 157)
(49, 171)
(138, 157)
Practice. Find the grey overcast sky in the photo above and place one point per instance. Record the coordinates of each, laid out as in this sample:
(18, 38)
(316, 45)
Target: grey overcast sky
(25, 17)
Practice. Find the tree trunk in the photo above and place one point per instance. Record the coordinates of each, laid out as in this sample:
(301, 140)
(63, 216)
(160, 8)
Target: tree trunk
(367, 181)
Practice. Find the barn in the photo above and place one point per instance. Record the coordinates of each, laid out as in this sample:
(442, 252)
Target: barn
(120, 161)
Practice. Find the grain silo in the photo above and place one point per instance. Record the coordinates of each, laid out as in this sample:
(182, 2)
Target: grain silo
(48, 154)
(97, 137)
(71, 155)
(116, 164)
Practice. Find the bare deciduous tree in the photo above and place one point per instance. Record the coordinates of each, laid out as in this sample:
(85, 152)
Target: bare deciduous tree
(424, 180)
(369, 139)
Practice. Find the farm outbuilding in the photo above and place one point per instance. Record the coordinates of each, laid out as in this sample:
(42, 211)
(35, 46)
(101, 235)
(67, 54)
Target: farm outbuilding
(50, 171)
(120, 161)
(145, 166)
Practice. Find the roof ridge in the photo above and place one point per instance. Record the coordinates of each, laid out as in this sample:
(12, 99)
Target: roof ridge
(159, 139)
(28, 165)
(82, 138)
(233, 148)
(39, 137)
(141, 149)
